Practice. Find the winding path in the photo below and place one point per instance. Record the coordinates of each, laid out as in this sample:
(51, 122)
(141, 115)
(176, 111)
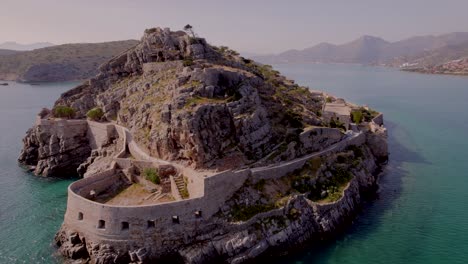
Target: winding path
(134, 146)
(309, 156)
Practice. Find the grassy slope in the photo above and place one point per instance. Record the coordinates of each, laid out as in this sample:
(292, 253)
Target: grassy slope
(443, 55)
(7, 52)
(86, 57)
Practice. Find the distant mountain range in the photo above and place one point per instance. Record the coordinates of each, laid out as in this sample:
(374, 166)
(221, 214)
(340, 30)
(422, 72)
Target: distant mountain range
(377, 51)
(10, 45)
(59, 63)
(446, 53)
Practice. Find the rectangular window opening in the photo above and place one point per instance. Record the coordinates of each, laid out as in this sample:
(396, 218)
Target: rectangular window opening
(102, 224)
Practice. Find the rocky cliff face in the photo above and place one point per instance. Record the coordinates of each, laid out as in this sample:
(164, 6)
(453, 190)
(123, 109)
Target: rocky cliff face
(188, 101)
(52, 148)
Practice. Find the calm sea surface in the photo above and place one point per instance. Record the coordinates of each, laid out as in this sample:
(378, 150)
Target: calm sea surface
(31, 208)
(420, 216)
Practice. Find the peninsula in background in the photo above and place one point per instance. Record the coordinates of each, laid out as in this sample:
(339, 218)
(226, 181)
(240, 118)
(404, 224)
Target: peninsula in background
(11, 45)
(59, 63)
(446, 53)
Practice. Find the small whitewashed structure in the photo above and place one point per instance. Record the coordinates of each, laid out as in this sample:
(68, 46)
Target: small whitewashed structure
(337, 111)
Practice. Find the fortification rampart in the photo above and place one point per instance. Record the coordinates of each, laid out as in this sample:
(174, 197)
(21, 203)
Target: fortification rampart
(136, 151)
(59, 122)
(126, 222)
(66, 129)
(106, 221)
(123, 136)
(378, 119)
(127, 163)
(99, 134)
(283, 169)
(97, 183)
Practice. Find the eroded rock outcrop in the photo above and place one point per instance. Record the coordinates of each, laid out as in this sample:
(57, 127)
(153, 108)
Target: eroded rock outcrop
(188, 101)
(56, 148)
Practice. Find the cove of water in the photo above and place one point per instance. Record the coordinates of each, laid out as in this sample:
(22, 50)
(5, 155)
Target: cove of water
(420, 216)
(31, 208)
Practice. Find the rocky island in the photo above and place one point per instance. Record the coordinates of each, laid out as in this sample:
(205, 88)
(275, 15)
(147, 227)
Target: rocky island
(190, 153)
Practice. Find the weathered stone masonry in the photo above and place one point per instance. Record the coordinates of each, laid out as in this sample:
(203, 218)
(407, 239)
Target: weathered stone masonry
(88, 216)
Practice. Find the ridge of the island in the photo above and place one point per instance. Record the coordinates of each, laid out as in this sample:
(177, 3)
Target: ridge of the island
(190, 153)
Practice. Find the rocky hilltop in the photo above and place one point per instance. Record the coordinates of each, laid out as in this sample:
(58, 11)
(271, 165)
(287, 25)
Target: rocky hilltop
(186, 100)
(244, 161)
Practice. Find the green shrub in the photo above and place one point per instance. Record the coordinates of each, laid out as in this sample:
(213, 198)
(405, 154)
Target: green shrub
(293, 214)
(294, 119)
(223, 49)
(95, 113)
(152, 175)
(150, 30)
(246, 61)
(244, 213)
(63, 111)
(368, 115)
(260, 185)
(184, 193)
(329, 99)
(357, 151)
(340, 177)
(233, 52)
(188, 61)
(337, 124)
(356, 116)
(341, 158)
(193, 40)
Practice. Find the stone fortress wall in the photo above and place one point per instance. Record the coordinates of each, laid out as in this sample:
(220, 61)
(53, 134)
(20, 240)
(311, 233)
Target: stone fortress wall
(281, 170)
(62, 127)
(113, 222)
(100, 133)
(97, 134)
(378, 119)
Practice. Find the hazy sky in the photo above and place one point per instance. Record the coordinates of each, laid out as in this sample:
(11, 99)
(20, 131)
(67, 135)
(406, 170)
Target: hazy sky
(258, 26)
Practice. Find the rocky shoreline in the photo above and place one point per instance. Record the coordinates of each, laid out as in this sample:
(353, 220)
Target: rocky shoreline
(275, 232)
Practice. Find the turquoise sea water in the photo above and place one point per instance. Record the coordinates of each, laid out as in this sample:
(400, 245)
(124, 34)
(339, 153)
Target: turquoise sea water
(420, 216)
(31, 208)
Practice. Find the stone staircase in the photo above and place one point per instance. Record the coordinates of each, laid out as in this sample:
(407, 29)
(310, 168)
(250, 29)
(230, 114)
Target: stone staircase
(152, 196)
(181, 187)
